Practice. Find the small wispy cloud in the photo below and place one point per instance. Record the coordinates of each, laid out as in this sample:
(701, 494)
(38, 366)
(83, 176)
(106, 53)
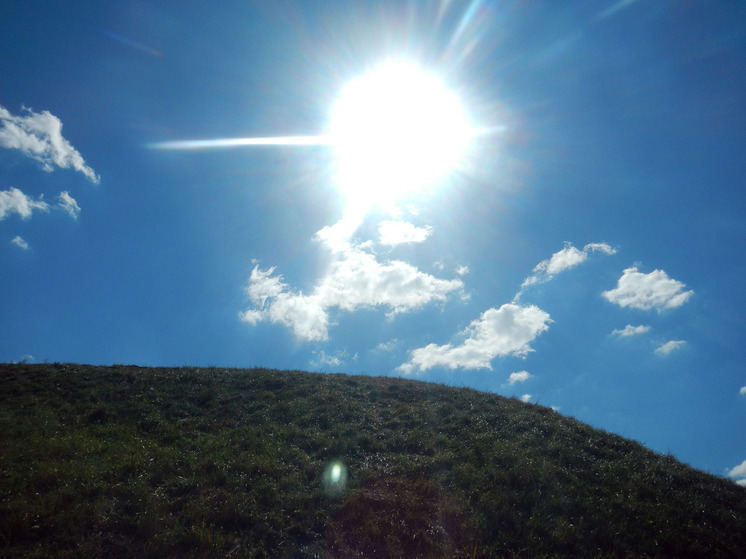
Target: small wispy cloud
(520, 376)
(648, 291)
(20, 243)
(526, 398)
(387, 346)
(630, 330)
(321, 358)
(738, 474)
(462, 270)
(39, 136)
(562, 260)
(68, 204)
(399, 232)
(15, 201)
(669, 347)
(743, 391)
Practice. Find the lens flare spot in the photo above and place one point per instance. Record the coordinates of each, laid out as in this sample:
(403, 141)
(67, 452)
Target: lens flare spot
(335, 478)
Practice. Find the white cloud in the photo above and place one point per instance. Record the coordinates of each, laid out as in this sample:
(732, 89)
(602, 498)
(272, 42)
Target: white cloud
(39, 136)
(252, 316)
(521, 376)
(68, 204)
(508, 330)
(337, 237)
(462, 270)
(630, 330)
(526, 398)
(599, 247)
(19, 242)
(334, 360)
(743, 391)
(738, 471)
(387, 346)
(359, 280)
(303, 314)
(669, 347)
(738, 474)
(329, 359)
(648, 291)
(354, 280)
(398, 232)
(15, 201)
(263, 286)
(567, 258)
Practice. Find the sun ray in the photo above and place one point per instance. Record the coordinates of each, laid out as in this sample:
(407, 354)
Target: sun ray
(242, 142)
(394, 132)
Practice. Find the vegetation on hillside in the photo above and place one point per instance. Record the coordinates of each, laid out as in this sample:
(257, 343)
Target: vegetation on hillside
(136, 462)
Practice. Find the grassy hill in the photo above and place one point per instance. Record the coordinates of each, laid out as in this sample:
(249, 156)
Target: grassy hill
(136, 462)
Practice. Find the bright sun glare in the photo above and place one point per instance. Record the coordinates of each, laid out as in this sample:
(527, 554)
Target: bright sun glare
(395, 131)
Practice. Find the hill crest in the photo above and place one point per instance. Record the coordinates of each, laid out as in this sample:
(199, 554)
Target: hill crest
(208, 462)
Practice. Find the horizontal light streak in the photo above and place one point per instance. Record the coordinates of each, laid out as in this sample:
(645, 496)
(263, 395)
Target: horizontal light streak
(322, 140)
(240, 142)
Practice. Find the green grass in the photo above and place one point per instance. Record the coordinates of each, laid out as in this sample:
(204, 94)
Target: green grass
(136, 462)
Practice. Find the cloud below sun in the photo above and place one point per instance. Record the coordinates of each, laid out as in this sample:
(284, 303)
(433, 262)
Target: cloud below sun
(508, 330)
(355, 279)
(567, 258)
(648, 291)
(398, 232)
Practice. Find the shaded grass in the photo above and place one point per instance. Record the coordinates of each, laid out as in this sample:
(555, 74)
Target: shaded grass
(136, 462)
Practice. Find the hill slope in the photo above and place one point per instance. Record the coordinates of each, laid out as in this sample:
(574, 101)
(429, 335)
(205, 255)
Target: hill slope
(136, 462)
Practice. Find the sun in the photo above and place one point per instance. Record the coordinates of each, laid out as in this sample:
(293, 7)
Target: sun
(396, 131)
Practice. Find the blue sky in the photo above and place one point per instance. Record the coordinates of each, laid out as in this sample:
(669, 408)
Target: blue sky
(585, 250)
